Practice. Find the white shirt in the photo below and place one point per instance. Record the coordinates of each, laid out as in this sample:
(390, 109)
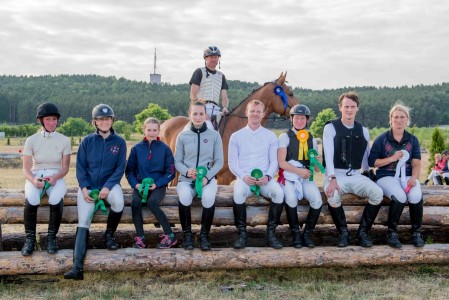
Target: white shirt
(328, 146)
(250, 149)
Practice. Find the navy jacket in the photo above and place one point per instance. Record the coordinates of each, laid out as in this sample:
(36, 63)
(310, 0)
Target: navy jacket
(100, 162)
(150, 161)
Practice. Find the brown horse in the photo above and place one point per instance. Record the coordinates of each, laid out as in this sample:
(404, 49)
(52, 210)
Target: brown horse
(235, 120)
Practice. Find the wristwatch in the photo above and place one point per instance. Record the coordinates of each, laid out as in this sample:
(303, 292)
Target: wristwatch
(269, 177)
(332, 178)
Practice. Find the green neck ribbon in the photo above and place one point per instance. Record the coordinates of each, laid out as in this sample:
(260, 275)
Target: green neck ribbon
(312, 153)
(47, 185)
(256, 173)
(201, 172)
(99, 203)
(145, 187)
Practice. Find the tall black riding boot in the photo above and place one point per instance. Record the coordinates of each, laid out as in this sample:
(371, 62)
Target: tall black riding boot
(240, 223)
(292, 217)
(446, 179)
(111, 227)
(185, 218)
(206, 222)
(53, 226)
(339, 218)
(416, 212)
(274, 216)
(439, 179)
(29, 219)
(79, 253)
(312, 219)
(368, 217)
(394, 214)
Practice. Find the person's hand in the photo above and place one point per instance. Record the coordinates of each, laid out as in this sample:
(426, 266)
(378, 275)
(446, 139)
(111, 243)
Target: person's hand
(397, 156)
(39, 182)
(411, 181)
(137, 187)
(104, 193)
(86, 196)
(249, 180)
(51, 180)
(152, 187)
(303, 172)
(207, 117)
(225, 110)
(191, 173)
(331, 188)
(205, 181)
(262, 181)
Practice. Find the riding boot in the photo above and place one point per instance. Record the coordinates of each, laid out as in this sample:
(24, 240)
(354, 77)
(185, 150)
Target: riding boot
(79, 253)
(425, 182)
(446, 179)
(111, 227)
(416, 212)
(439, 179)
(274, 216)
(185, 218)
(29, 218)
(312, 219)
(206, 222)
(292, 217)
(53, 226)
(240, 223)
(339, 218)
(394, 214)
(368, 217)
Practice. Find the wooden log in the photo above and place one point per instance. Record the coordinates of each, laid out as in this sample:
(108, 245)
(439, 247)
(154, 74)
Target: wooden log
(256, 215)
(433, 196)
(222, 237)
(129, 259)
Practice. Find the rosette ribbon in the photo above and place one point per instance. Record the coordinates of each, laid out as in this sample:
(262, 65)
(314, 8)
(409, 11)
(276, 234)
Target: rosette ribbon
(401, 169)
(144, 188)
(256, 173)
(99, 203)
(279, 91)
(303, 136)
(201, 172)
(312, 153)
(47, 185)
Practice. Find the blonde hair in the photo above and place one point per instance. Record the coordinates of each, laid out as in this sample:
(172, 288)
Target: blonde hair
(256, 102)
(399, 106)
(437, 156)
(151, 120)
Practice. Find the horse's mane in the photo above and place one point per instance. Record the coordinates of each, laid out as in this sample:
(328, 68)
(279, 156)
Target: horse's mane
(254, 90)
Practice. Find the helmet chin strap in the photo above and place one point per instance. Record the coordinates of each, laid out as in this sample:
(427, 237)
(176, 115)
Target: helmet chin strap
(46, 130)
(102, 131)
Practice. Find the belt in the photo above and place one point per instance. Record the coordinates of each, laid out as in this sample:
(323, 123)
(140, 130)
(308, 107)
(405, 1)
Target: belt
(213, 102)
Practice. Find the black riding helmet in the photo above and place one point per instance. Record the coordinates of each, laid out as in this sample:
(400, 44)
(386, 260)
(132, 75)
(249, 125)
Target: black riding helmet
(300, 109)
(211, 51)
(47, 109)
(102, 111)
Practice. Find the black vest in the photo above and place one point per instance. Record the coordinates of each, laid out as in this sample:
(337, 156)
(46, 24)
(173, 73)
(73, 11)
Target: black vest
(349, 145)
(293, 148)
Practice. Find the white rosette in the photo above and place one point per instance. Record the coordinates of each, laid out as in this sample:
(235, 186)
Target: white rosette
(400, 168)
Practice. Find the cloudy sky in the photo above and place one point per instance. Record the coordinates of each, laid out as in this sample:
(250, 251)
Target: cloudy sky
(322, 44)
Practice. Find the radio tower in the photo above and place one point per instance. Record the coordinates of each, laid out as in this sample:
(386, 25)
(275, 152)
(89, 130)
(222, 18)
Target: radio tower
(155, 77)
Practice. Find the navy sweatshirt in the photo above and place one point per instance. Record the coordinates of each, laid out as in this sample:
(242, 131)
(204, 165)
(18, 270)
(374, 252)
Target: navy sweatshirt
(100, 162)
(153, 160)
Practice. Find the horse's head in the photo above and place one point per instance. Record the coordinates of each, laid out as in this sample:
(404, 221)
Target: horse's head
(281, 98)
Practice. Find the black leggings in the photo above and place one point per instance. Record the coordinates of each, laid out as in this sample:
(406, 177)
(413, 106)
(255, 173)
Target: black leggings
(154, 198)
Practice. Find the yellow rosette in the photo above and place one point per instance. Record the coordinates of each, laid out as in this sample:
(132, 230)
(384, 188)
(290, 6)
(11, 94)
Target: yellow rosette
(303, 136)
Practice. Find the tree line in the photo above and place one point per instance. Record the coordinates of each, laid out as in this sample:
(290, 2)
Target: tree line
(76, 95)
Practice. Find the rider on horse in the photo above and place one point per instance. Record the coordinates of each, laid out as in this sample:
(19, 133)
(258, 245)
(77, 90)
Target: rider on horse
(208, 84)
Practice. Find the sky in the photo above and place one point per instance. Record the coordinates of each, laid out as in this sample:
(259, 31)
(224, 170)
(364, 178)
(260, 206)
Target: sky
(321, 44)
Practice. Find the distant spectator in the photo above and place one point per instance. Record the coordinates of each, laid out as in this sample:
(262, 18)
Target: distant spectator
(434, 175)
(445, 171)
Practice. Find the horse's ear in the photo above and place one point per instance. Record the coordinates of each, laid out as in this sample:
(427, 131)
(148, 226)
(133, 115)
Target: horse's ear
(281, 79)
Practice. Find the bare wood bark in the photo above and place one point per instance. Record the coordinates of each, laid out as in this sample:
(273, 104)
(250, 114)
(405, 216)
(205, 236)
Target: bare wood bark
(129, 259)
(224, 236)
(432, 195)
(256, 215)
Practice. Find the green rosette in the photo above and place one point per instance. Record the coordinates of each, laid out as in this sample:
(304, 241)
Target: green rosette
(144, 188)
(201, 172)
(312, 154)
(47, 185)
(256, 173)
(99, 203)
